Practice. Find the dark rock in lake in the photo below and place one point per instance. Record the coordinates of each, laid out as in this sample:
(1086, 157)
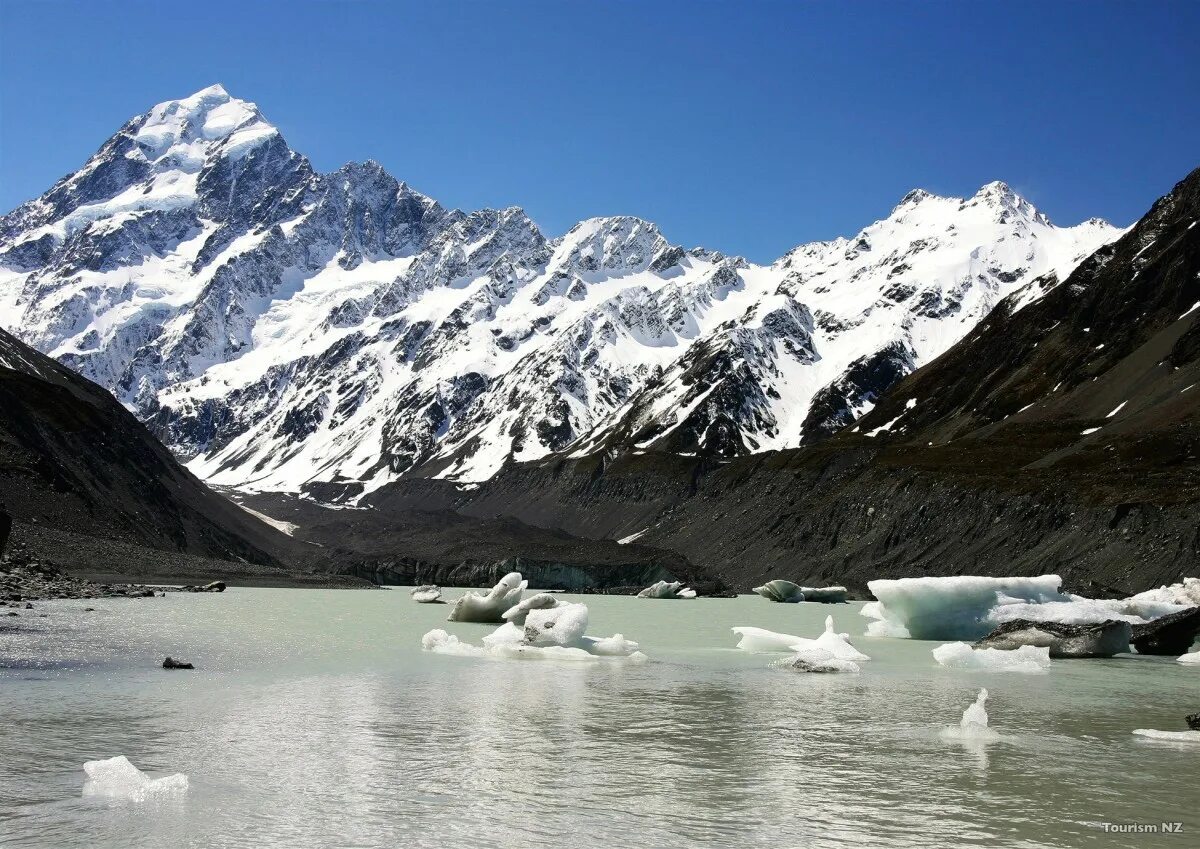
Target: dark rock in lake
(1172, 634)
(1095, 639)
(213, 587)
(1193, 721)
(5, 529)
(171, 663)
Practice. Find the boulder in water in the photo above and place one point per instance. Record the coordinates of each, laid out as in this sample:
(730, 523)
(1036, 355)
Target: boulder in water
(781, 591)
(490, 607)
(1094, 639)
(1193, 721)
(1171, 634)
(172, 663)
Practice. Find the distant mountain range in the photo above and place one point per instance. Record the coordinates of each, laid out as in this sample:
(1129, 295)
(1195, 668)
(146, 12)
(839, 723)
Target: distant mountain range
(329, 334)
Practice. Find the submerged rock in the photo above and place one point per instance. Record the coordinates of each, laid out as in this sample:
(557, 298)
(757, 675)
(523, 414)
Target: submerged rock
(478, 607)
(1099, 639)
(171, 663)
(663, 589)
(211, 587)
(1193, 721)
(781, 591)
(1170, 634)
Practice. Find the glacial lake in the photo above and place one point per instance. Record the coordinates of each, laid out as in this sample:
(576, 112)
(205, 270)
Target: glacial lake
(314, 719)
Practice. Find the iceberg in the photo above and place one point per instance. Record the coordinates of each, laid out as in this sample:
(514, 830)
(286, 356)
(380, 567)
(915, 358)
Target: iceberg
(117, 778)
(968, 607)
(1190, 659)
(426, 594)
(549, 629)
(1098, 639)
(974, 722)
(825, 595)
(781, 591)
(760, 640)
(662, 589)
(964, 656)
(477, 607)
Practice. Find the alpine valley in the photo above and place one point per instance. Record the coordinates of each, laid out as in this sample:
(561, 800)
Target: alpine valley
(317, 342)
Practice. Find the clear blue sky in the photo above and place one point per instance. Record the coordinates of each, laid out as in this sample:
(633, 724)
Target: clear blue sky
(748, 127)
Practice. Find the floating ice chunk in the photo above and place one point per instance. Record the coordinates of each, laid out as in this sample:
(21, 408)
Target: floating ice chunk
(1190, 659)
(561, 625)
(1169, 736)
(442, 642)
(820, 660)
(974, 722)
(517, 614)
(963, 656)
(117, 778)
(758, 640)
(836, 644)
(614, 646)
(426, 594)
(476, 607)
(954, 608)
(662, 589)
(825, 595)
(782, 591)
(510, 633)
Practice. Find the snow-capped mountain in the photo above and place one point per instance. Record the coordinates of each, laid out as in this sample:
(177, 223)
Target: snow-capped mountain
(281, 328)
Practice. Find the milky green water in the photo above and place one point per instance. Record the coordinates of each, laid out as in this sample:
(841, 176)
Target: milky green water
(315, 720)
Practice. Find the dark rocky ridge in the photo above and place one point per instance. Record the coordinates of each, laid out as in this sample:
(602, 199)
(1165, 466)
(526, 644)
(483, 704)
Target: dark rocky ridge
(989, 473)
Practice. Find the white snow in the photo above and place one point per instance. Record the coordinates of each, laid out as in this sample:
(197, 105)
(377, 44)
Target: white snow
(631, 537)
(1190, 310)
(1116, 409)
(964, 656)
(117, 778)
(1088, 431)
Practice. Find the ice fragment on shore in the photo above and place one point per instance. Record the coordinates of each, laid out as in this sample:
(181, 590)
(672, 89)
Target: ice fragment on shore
(117, 778)
(964, 656)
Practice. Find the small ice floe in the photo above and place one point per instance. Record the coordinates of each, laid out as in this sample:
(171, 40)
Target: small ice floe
(117, 778)
(759, 640)
(819, 660)
(964, 656)
(663, 589)
(974, 722)
(426, 594)
(781, 591)
(540, 628)
(1169, 736)
(478, 607)
(1190, 659)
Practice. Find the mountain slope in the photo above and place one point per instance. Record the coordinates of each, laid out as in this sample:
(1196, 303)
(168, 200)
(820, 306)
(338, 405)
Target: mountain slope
(72, 459)
(1061, 435)
(286, 330)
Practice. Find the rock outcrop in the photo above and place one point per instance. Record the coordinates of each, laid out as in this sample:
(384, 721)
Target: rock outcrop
(1101, 639)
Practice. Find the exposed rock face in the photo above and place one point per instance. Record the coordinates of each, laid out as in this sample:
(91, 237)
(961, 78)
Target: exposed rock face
(1102, 639)
(1169, 635)
(5, 529)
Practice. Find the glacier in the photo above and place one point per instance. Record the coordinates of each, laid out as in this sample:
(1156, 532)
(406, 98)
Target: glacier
(287, 330)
